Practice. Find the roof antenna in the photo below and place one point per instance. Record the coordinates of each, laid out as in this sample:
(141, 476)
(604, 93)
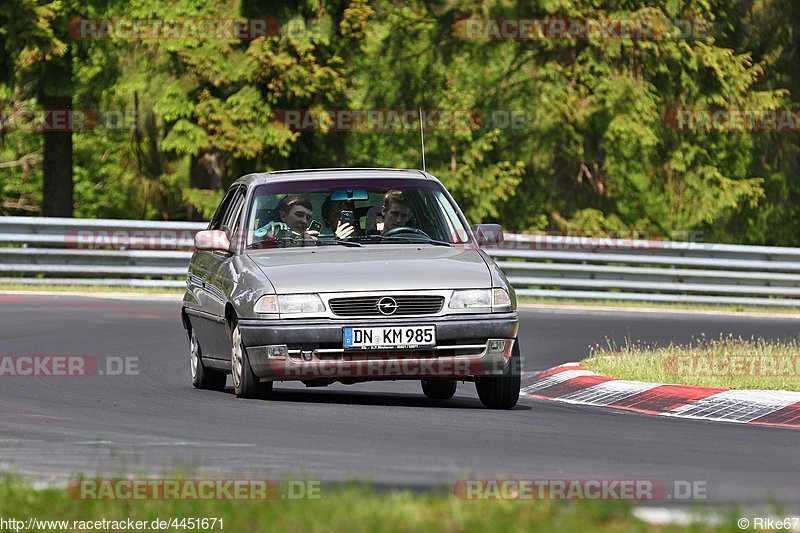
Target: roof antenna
(422, 137)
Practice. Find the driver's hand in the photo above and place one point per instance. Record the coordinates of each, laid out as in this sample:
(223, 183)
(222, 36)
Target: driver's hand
(313, 234)
(271, 229)
(344, 230)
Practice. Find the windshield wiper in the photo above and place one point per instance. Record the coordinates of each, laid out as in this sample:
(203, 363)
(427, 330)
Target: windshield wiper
(282, 241)
(344, 243)
(416, 240)
(320, 242)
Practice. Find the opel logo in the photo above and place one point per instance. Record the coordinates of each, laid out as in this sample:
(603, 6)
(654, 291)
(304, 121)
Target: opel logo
(387, 306)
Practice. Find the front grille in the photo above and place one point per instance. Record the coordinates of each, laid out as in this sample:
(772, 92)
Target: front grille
(368, 305)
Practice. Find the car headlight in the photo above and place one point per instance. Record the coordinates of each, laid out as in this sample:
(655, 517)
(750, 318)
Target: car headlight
(289, 304)
(300, 303)
(494, 299)
(470, 299)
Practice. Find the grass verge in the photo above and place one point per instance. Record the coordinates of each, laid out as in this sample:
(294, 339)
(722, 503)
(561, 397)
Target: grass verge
(724, 308)
(351, 508)
(727, 362)
(88, 288)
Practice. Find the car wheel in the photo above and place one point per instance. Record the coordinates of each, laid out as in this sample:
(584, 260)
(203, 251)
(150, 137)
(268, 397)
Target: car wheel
(439, 389)
(203, 377)
(502, 392)
(245, 383)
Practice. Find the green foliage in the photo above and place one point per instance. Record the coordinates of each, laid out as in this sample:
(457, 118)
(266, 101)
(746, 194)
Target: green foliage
(185, 138)
(593, 150)
(104, 185)
(479, 188)
(594, 222)
(204, 200)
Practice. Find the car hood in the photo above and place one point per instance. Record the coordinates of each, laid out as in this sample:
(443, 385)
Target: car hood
(377, 267)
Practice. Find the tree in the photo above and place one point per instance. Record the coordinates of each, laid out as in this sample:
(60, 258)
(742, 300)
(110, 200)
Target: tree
(561, 133)
(596, 145)
(38, 66)
(40, 75)
(768, 29)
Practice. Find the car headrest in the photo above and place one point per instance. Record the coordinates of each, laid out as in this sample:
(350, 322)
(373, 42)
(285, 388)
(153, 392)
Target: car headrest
(371, 221)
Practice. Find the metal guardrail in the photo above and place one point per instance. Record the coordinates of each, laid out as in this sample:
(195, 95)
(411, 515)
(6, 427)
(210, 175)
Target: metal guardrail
(71, 251)
(155, 254)
(641, 270)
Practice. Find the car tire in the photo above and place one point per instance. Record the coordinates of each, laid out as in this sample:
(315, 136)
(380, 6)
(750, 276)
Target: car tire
(439, 389)
(245, 383)
(202, 376)
(502, 392)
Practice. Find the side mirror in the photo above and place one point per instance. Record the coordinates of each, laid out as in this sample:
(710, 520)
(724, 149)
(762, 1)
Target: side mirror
(212, 240)
(488, 234)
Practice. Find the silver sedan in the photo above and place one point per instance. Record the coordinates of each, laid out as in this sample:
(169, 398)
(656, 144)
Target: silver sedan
(349, 275)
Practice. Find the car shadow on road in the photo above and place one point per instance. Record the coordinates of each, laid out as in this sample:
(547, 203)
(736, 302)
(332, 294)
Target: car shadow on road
(387, 399)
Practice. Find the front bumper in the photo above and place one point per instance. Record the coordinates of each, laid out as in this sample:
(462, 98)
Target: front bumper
(464, 349)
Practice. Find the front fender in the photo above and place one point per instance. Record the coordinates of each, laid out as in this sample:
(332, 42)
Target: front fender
(499, 278)
(247, 283)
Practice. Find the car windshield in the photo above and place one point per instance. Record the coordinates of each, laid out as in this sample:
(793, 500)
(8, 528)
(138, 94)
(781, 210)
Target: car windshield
(398, 211)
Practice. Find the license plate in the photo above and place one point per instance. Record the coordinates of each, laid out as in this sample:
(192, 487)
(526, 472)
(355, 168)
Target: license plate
(389, 337)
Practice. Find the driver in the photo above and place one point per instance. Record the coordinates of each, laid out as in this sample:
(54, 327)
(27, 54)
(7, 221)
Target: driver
(396, 210)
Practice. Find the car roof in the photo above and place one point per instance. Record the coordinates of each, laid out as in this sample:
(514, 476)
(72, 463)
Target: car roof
(332, 173)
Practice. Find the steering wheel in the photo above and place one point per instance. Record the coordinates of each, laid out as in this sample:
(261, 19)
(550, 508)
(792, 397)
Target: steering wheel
(405, 229)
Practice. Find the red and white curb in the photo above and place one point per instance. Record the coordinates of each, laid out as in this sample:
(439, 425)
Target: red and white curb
(571, 383)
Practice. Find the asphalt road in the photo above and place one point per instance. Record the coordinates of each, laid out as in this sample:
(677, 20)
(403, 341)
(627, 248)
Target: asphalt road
(386, 433)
